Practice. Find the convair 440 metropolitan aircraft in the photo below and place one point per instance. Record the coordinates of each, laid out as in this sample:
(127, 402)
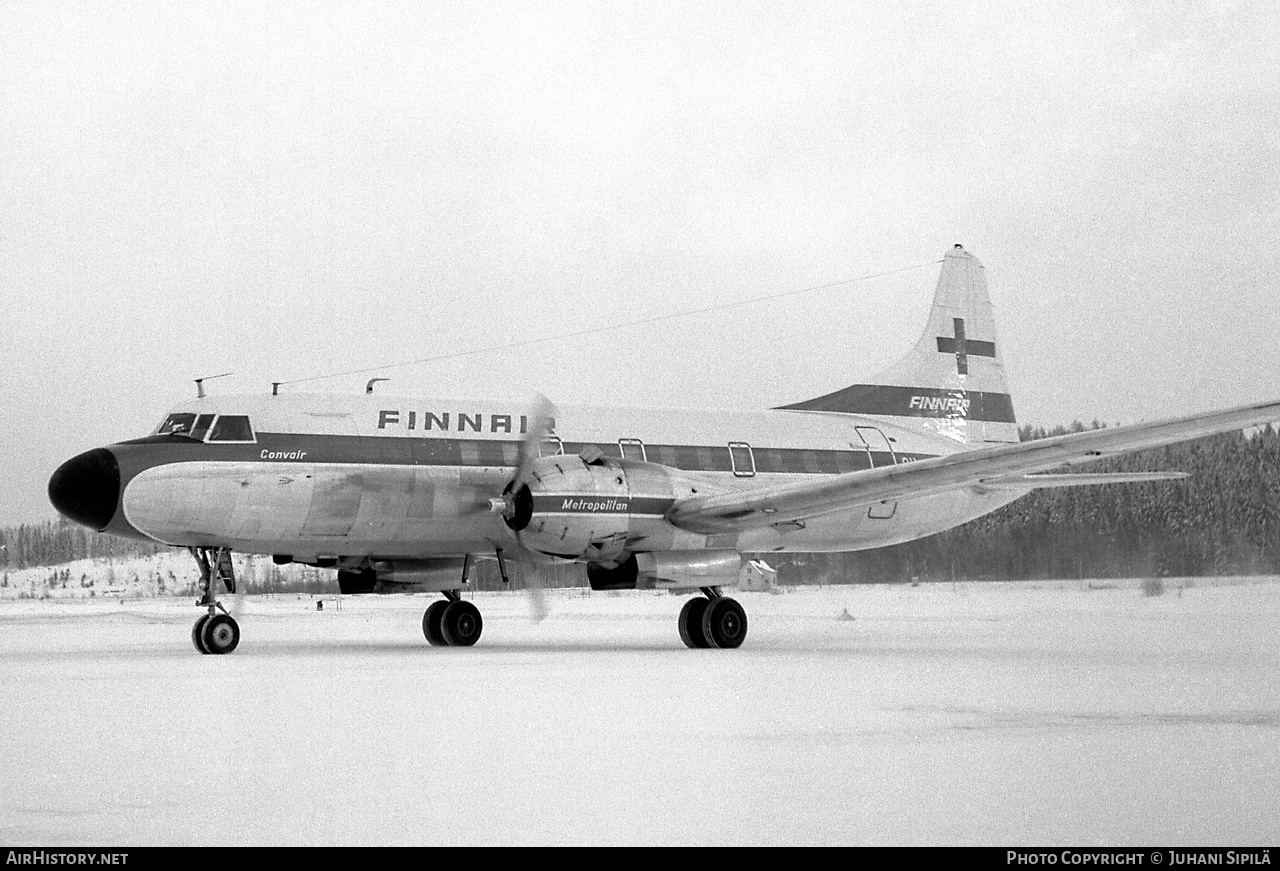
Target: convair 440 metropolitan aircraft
(403, 494)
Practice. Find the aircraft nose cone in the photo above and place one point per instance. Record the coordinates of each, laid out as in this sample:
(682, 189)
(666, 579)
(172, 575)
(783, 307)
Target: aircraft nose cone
(86, 488)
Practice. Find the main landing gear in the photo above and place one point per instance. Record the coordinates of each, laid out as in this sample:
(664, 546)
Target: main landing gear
(214, 632)
(716, 621)
(452, 622)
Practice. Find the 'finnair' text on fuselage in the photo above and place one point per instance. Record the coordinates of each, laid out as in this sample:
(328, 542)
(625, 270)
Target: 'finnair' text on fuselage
(430, 420)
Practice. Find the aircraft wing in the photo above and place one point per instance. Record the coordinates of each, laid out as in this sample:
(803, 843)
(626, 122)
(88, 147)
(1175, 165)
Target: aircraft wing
(1005, 466)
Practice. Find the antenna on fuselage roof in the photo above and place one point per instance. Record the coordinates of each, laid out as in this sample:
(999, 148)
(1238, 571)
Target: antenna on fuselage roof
(368, 388)
(200, 383)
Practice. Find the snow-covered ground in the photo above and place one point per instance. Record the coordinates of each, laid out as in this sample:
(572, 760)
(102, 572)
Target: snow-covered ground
(1034, 714)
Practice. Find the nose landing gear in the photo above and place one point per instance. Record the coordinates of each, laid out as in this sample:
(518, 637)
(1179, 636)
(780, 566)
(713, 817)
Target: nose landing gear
(214, 632)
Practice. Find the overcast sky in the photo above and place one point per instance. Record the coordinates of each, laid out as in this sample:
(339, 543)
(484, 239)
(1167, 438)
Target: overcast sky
(288, 190)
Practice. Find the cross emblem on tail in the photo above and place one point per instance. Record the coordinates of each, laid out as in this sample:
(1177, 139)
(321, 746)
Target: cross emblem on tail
(962, 347)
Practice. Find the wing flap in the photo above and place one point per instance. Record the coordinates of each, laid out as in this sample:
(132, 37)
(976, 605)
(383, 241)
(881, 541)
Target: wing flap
(787, 503)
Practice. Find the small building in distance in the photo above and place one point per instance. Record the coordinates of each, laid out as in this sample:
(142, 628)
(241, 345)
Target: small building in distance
(757, 576)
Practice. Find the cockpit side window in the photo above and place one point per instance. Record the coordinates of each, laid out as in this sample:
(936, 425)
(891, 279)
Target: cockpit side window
(232, 428)
(177, 424)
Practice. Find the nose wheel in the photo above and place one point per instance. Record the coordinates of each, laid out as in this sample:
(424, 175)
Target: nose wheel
(214, 632)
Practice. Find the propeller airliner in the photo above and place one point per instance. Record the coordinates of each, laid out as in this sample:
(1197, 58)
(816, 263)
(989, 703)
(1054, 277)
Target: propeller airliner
(404, 494)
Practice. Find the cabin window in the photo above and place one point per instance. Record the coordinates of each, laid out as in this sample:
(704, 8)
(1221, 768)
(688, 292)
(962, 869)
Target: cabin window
(470, 452)
(741, 459)
(231, 428)
(768, 460)
(491, 453)
(712, 460)
(788, 460)
(847, 461)
(551, 446)
(436, 452)
(510, 453)
(664, 454)
(686, 457)
(632, 449)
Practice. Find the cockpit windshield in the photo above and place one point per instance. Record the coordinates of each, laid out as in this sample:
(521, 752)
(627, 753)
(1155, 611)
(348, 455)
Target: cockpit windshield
(222, 428)
(231, 428)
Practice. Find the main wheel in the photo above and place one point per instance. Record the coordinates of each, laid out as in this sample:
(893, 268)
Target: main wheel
(460, 624)
(431, 621)
(196, 631)
(724, 623)
(220, 634)
(691, 622)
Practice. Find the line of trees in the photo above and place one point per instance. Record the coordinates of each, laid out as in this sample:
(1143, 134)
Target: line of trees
(1224, 519)
(54, 542)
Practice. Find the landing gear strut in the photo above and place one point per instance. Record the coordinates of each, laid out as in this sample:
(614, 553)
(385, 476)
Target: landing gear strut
(452, 622)
(714, 621)
(214, 632)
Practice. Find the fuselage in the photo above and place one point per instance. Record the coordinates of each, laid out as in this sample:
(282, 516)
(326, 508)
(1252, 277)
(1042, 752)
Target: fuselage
(319, 476)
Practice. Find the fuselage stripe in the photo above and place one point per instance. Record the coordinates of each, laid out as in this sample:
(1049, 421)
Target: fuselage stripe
(401, 451)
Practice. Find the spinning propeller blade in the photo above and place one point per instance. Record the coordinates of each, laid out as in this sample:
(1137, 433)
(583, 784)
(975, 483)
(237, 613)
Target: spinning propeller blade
(515, 496)
(537, 601)
(541, 421)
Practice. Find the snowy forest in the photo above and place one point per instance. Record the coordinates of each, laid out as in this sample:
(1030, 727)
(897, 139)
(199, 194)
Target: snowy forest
(1221, 521)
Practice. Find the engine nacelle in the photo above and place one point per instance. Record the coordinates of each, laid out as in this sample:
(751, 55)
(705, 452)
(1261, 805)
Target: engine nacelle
(704, 568)
(404, 576)
(576, 509)
(671, 570)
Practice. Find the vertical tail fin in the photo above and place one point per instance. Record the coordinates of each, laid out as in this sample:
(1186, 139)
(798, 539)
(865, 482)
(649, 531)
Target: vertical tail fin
(952, 381)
